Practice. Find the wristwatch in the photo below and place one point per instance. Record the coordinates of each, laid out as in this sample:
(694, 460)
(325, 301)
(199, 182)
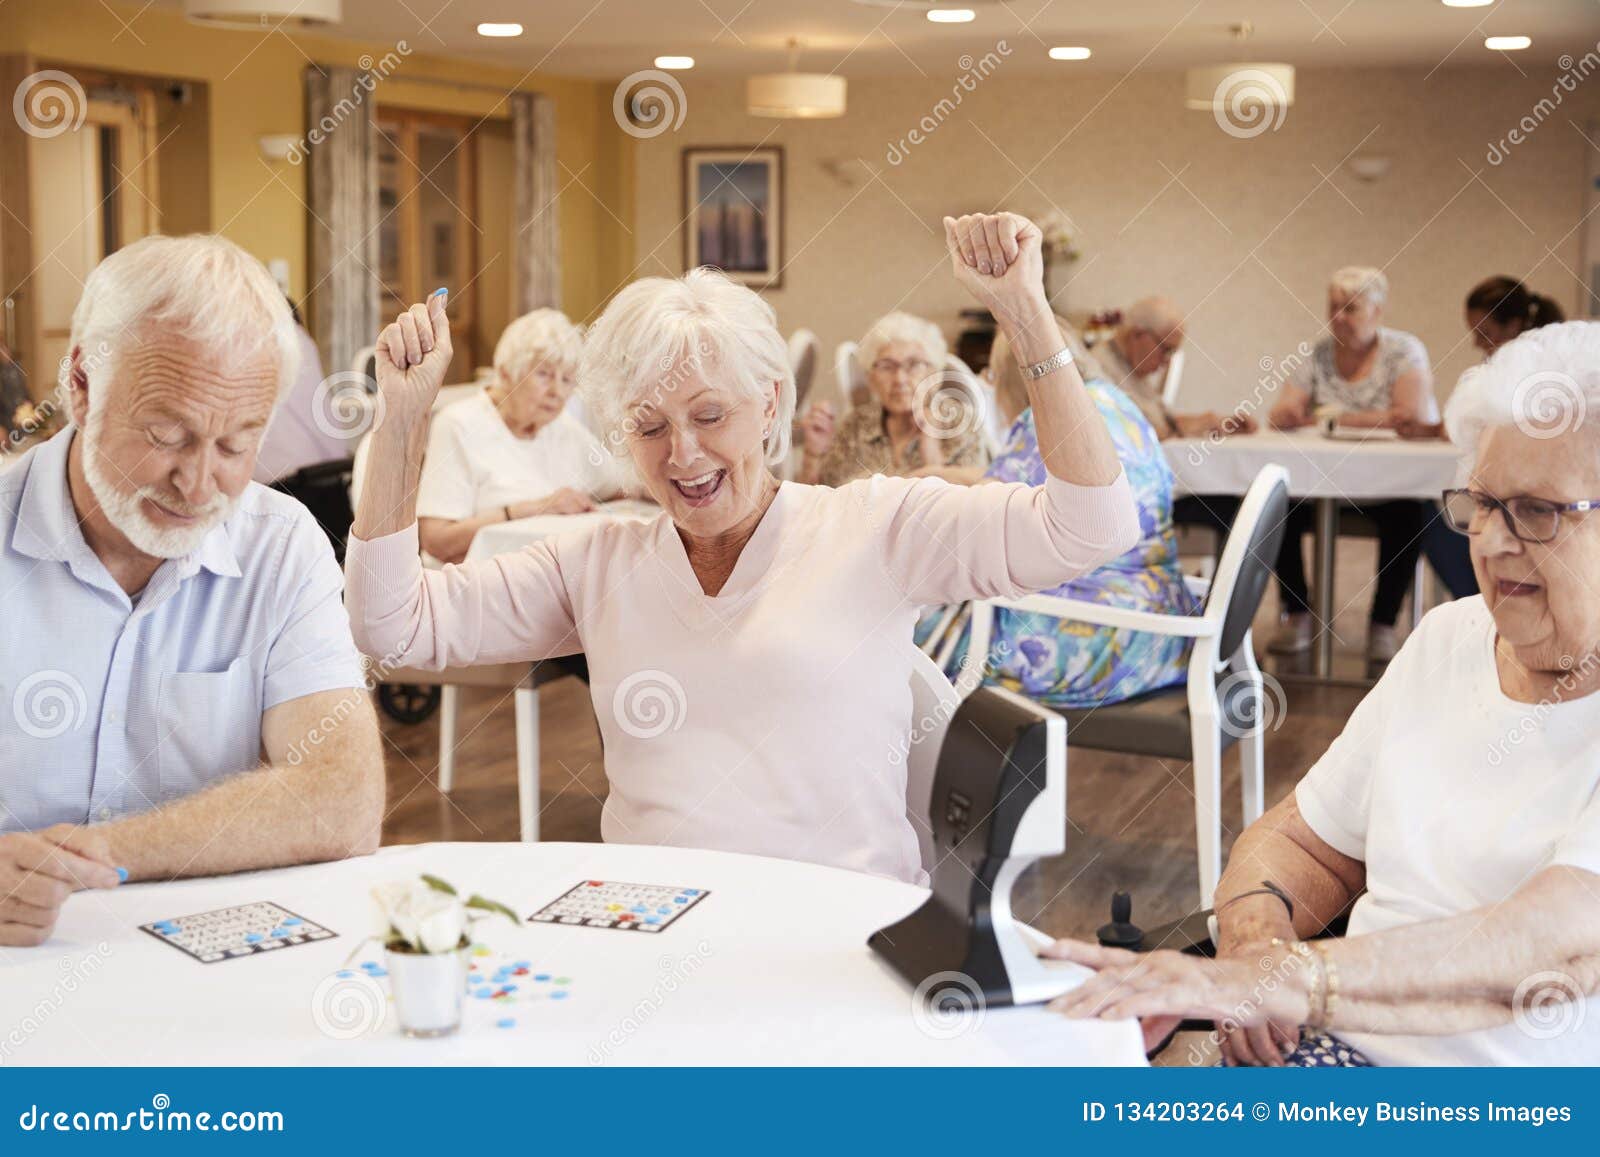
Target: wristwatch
(1050, 365)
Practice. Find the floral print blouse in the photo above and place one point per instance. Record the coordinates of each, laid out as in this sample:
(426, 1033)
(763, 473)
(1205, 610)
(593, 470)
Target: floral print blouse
(861, 448)
(1064, 663)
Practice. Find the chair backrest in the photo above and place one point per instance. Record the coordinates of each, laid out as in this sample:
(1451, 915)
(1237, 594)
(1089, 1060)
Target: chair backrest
(803, 361)
(365, 362)
(1174, 379)
(848, 375)
(980, 396)
(1248, 557)
(933, 703)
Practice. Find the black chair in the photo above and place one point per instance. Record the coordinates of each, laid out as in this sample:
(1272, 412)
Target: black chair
(1222, 703)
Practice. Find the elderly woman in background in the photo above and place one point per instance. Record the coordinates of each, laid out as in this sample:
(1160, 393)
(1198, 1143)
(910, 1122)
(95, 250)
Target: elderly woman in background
(511, 450)
(885, 434)
(1459, 811)
(749, 649)
(1073, 664)
(1370, 376)
(1497, 310)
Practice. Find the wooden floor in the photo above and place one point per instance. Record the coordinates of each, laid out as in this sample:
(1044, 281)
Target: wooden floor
(1130, 821)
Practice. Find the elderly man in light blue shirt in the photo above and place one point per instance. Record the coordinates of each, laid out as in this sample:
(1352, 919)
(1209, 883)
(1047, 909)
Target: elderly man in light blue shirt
(179, 690)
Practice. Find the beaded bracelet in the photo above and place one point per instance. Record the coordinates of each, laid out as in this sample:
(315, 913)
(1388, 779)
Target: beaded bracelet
(1316, 997)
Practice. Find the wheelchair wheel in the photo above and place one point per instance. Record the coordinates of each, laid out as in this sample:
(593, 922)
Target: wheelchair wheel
(408, 702)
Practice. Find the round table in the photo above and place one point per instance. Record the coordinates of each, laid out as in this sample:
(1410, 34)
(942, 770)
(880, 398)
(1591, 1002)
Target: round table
(1354, 467)
(771, 968)
(504, 537)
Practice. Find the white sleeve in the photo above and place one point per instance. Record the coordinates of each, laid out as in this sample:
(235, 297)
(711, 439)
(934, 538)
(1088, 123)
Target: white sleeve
(1335, 797)
(448, 489)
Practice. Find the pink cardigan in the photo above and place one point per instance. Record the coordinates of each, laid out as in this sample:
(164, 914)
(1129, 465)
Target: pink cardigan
(770, 718)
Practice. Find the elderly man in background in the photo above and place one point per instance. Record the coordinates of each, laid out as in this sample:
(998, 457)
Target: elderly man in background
(1135, 359)
(1457, 817)
(182, 695)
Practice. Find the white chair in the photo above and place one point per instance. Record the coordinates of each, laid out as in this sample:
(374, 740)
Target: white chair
(1174, 379)
(803, 361)
(1223, 701)
(933, 703)
(980, 396)
(848, 376)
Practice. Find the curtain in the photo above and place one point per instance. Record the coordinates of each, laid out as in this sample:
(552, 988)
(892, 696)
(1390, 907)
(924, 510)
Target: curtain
(536, 219)
(341, 149)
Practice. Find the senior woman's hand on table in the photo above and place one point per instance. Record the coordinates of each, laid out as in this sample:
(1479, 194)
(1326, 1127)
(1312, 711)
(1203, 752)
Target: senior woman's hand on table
(1162, 988)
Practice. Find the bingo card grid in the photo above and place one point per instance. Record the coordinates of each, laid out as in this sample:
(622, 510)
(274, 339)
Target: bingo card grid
(238, 932)
(645, 908)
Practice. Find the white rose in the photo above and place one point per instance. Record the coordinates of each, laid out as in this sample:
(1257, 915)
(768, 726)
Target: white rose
(441, 923)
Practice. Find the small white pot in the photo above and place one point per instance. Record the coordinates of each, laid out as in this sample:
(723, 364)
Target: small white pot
(428, 991)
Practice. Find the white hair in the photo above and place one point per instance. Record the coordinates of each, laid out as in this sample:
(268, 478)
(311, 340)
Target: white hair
(1545, 382)
(902, 327)
(1157, 315)
(543, 335)
(201, 288)
(663, 333)
(1363, 281)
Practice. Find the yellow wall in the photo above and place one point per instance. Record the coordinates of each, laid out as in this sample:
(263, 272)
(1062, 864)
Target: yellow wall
(256, 89)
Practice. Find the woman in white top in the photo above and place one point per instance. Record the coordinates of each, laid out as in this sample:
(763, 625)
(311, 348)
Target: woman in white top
(1371, 376)
(511, 450)
(750, 650)
(1460, 809)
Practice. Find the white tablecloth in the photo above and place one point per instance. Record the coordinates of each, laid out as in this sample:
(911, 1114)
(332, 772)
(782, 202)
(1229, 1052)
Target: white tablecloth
(1319, 467)
(771, 968)
(504, 537)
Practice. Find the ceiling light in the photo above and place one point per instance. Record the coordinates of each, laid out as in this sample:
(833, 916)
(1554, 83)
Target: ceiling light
(1467, 3)
(1069, 52)
(261, 14)
(952, 15)
(490, 29)
(793, 94)
(1255, 83)
(675, 62)
(1507, 43)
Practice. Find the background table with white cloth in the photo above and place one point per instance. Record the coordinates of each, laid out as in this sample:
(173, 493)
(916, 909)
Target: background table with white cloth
(1349, 468)
(772, 967)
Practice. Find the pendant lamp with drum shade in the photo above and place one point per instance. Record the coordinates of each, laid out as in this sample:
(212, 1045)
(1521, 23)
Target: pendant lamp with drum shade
(795, 94)
(264, 14)
(1268, 85)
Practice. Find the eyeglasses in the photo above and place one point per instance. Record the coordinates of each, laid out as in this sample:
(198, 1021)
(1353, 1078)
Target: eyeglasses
(1529, 519)
(916, 367)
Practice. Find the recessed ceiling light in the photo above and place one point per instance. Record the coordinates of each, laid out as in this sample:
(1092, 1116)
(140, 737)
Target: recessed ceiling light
(1507, 43)
(1069, 52)
(676, 62)
(499, 30)
(951, 15)
(1467, 3)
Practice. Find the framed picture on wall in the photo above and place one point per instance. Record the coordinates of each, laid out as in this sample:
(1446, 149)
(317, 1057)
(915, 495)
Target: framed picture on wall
(733, 212)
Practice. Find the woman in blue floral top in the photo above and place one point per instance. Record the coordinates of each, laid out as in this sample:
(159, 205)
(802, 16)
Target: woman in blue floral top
(1060, 662)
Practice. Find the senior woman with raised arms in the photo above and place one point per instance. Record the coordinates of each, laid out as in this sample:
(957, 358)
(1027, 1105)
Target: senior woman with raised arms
(1460, 808)
(749, 650)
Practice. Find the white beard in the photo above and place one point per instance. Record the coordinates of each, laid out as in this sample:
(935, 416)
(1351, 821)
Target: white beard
(123, 511)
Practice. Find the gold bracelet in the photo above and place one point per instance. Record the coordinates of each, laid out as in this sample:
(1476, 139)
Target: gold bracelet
(1330, 972)
(1316, 996)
